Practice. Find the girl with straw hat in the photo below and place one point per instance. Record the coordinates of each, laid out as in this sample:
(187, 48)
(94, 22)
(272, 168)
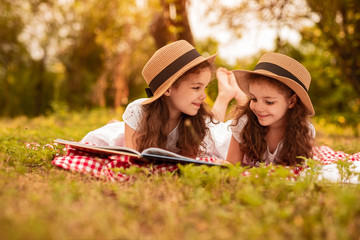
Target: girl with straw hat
(273, 126)
(175, 116)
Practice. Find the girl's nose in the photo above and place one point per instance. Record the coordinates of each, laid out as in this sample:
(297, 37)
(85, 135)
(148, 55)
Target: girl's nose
(203, 95)
(258, 107)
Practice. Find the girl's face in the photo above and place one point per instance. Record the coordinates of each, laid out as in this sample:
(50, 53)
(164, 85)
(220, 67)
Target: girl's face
(269, 104)
(188, 96)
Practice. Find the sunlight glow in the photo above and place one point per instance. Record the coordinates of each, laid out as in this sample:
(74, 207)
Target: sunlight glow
(232, 48)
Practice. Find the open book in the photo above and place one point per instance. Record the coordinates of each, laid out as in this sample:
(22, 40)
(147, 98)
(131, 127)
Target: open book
(148, 155)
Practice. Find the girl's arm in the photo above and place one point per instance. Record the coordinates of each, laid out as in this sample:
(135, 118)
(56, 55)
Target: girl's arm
(219, 108)
(234, 155)
(129, 137)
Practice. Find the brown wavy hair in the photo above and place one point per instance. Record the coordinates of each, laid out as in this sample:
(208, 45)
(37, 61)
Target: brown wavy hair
(297, 140)
(192, 129)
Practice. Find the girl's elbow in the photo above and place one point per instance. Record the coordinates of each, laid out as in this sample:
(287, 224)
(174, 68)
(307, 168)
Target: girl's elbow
(234, 158)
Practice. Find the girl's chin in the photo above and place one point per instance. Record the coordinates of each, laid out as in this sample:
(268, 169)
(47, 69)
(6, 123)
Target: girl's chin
(262, 122)
(192, 113)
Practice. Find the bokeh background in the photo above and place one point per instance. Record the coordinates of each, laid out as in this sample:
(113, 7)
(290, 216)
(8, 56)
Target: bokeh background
(85, 54)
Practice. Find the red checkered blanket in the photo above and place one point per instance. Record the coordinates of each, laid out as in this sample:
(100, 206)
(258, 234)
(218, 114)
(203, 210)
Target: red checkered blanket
(108, 167)
(105, 167)
(326, 155)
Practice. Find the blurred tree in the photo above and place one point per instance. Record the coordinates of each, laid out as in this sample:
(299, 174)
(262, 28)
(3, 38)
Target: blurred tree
(103, 52)
(338, 23)
(82, 56)
(23, 76)
(9, 48)
(333, 98)
(73, 52)
(171, 23)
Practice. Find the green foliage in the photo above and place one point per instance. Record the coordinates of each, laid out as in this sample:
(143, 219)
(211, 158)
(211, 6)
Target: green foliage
(337, 25)
(71, 53)
(328, 79)
(84, 47)
(40, 201)
(105, 49)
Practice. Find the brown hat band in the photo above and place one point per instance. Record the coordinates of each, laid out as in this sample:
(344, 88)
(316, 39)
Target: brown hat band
(276, 69)
(171, 69)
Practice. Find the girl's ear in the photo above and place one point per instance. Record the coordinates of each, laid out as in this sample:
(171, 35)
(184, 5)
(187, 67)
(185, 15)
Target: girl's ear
(292, 101)
(168, 92)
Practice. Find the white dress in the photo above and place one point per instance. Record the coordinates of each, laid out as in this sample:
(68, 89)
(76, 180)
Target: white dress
(113, 134)
(268, 157)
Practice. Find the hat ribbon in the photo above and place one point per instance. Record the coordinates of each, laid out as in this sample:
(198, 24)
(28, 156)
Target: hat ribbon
(276, 69)
(171, 69)
(149, 93)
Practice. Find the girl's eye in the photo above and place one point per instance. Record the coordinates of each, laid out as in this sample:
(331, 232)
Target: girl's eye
(253, 99)
(269, 103)
(196, 88)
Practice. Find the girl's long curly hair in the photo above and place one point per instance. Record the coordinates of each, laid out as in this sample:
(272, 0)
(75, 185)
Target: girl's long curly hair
(297, 141)
(192, 129)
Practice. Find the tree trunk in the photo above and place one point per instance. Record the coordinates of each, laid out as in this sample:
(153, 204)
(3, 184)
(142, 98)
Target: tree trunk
(121, 86)
(98, 94)
(39, 87)
(171, 24)
(182, 22)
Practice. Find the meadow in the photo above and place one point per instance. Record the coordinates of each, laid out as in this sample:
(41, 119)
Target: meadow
(41, 201)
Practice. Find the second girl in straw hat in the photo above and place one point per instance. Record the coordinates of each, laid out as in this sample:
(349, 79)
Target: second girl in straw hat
(274, 125)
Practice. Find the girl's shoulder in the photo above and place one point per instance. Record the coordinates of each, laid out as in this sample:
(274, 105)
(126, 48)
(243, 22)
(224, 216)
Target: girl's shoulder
(239, 122)
(136, 103)
(133, 113)
(237, 126)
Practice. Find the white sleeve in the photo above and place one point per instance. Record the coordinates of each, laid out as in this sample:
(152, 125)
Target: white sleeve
(111, 134)
(312, 130)
(133, 113)
(219, 140)
(236, 130)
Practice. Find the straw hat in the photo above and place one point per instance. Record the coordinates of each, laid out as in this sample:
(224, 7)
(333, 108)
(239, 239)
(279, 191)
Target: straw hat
(284, 69)
(167, 65)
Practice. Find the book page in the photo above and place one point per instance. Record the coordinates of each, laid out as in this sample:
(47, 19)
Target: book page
(100, 149)
(162, 152)
(161, 155)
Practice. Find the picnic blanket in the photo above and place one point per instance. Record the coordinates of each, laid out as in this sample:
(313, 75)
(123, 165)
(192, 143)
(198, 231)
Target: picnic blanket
(108, 167)
(325, 155)
(329, 167)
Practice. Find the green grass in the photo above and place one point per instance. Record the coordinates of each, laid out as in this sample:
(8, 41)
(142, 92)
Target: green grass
(40, 201)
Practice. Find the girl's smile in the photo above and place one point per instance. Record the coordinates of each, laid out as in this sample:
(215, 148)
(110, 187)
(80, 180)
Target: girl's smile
(198, 104)
(268, 104)
(261, 116)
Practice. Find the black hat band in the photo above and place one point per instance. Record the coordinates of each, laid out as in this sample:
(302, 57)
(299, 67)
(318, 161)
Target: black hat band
(276, 69)
(172, 68)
